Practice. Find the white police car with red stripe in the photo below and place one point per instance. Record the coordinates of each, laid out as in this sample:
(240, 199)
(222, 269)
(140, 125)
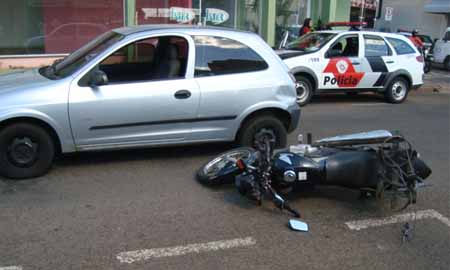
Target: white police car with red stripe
(353, 62)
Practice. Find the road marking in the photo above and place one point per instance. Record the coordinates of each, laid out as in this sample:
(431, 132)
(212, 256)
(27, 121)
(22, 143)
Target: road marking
(423, 214)
(11, 268)
(146, 254)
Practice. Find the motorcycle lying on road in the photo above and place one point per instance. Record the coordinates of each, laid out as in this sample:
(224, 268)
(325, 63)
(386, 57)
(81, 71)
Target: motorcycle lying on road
(377, 163)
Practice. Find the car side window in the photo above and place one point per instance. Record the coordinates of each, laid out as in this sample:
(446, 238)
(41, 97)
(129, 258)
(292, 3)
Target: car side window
(375, 46)
(221, 56)
(400, 46)
(346, 46)
(150, 59)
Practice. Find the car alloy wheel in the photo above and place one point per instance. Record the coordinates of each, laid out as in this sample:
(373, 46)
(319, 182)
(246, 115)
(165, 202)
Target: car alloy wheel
(303, 92)
(399, 90)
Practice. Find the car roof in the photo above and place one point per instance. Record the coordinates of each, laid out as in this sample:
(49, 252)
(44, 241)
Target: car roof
(367, 32)
(177, 27)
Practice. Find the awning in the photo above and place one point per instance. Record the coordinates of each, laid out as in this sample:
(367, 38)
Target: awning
(438, 6)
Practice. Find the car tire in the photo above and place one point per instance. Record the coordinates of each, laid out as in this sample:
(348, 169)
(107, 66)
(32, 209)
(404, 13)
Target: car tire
(397, 91)
(26, 151)
(305, 90)
(262, 123)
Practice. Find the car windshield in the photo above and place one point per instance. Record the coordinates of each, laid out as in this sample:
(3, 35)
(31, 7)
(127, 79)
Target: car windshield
(310, 42)
(70, 64)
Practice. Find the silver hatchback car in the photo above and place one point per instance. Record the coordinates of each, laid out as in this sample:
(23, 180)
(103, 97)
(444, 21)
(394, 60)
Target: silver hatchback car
(145, 86)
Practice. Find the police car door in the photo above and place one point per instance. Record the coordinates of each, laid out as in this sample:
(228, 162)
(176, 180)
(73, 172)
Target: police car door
(343, 70)
(376, 62)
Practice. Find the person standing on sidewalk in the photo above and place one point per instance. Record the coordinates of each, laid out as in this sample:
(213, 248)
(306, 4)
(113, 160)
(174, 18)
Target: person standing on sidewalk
(416, 40)
(306, 27)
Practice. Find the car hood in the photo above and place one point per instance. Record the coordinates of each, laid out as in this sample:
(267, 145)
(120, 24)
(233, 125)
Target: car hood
(285, 54)
(22, 80)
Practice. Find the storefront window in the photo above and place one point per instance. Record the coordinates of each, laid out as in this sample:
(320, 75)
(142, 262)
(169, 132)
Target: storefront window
(290, 17)
(209, 12)
(365, 9)
(55, 26)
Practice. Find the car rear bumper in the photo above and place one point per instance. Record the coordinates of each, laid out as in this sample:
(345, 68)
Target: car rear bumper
(295, 113)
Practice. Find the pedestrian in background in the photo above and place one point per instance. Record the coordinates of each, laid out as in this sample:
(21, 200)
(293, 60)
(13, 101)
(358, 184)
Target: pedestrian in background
(416, 40)
(306, 27)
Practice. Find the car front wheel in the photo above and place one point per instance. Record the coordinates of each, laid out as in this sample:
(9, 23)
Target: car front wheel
(397, 91)
(304, 90)
(26, 151)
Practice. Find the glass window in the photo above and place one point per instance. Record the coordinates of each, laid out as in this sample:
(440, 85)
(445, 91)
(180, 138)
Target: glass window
(211, 12)
(220, 56)
(70, 64)
(375, 46)
(149, 59)
(400, 46)
(55, 26)
(346, 46)
(310, 42)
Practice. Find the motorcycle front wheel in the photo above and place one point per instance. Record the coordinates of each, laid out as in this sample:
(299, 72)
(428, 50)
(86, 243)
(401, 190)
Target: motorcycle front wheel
(222, 169)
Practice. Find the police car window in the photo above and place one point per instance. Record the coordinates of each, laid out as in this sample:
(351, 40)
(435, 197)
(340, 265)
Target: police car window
(400, 46)
(375, 46)
(220, 56)
(346, 46)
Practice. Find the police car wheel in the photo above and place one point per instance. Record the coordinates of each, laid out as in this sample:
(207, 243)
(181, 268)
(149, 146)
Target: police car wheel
(397, 91)
(304, 91)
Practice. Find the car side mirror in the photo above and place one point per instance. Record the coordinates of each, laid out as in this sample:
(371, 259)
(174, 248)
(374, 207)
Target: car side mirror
(98, 78)
(333, 53)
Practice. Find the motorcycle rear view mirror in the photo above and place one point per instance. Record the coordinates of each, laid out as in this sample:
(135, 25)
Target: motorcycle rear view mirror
(298, 225)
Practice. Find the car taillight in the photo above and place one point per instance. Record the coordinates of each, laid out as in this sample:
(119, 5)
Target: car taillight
(241, 164)
(420, 58)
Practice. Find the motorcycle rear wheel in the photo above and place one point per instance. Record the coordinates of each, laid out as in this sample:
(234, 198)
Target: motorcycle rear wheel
(222, 169)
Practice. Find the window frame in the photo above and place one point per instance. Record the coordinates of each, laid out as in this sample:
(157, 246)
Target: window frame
(80, 74)
(388, 39)
(267, 66)
(390, 52)
(332, 43)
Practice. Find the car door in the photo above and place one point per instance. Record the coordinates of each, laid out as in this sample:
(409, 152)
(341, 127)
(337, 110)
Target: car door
(378, 61)
(343, 69)
(146, 101)
(442, 48)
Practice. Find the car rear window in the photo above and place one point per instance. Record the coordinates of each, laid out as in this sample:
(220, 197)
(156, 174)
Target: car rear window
(220, 56)
(400, 46)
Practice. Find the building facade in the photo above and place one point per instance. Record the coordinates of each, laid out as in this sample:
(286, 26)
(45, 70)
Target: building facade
(36, 32)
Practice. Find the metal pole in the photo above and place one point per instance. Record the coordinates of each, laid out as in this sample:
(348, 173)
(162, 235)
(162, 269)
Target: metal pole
(361, 18)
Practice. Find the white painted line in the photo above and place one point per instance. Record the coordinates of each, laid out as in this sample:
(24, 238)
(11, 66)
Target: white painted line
(146, 254)
(423, 214)
(11, 268)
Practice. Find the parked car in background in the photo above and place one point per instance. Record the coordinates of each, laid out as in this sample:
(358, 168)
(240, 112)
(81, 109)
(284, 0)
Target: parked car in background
(353, 62)
(441, 50)
(145, 86)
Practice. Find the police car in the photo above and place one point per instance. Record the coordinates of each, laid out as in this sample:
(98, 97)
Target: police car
(353, 62)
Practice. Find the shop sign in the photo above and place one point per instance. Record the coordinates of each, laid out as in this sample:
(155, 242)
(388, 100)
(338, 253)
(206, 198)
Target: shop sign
(182, 15)
(216, 16)
(388, 13)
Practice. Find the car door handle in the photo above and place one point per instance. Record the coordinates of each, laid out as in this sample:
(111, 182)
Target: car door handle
(182, 94)
(390, 62)
(356, 63)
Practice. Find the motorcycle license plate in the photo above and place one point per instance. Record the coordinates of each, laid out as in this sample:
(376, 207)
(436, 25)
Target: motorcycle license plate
(302, 176)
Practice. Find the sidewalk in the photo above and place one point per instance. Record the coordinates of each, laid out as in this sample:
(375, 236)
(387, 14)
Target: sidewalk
(438, 80)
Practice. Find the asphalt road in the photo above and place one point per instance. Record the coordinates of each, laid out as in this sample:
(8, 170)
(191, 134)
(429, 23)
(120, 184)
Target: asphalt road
(91, 207)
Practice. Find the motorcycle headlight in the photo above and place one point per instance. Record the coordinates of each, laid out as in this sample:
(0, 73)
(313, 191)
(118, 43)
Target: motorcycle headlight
(289, 176)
